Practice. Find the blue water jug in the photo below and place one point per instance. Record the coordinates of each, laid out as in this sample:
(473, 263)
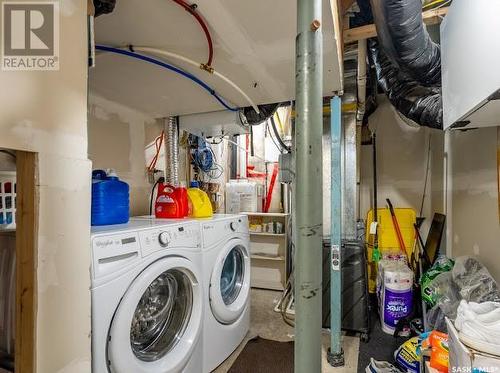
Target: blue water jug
(110, 199)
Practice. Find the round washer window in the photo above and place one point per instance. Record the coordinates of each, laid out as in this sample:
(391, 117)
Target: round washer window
(162, 315)
(232, 275)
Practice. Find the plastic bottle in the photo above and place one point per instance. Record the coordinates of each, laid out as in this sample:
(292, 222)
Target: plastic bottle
(199, 202)
(171, 202)
(395, 287)
(110, 198)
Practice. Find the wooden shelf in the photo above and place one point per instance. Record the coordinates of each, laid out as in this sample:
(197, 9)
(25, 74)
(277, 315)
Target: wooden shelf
(270, 214)
(267, 257)
(267, 234)
(271, 285)
(268, 251)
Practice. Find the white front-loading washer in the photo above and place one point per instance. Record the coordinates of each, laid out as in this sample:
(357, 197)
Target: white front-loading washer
(226, 276)
(147, 298)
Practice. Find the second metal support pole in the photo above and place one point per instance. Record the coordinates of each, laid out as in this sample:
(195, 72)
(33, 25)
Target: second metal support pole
(336, 354)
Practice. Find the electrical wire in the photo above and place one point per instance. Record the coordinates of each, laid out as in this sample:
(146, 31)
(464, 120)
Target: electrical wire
(278, 137)
(160, 180)
(191, 8)
(439, 3)
(203, 158)
(272, 138)
(168, 67)
(191, 62)
(158, 143)
(282, 128)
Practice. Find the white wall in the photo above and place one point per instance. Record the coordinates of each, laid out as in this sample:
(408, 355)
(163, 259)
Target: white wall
(117, 139)
(471, 198)
(475, 228)
(401, 164)
(46, 112)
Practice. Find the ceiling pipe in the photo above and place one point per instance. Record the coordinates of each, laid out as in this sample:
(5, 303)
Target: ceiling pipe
(361, 80)
(308, 210)
(178, 57)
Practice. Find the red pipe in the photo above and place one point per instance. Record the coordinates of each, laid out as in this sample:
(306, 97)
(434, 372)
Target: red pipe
(247, 142)
(269, 196)
(191, 9)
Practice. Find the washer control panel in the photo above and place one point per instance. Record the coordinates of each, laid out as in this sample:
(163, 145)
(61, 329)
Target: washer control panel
(163, 238)
(217, 231)
(113, 252)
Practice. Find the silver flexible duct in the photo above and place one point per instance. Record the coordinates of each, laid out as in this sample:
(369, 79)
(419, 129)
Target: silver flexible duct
(171, 151)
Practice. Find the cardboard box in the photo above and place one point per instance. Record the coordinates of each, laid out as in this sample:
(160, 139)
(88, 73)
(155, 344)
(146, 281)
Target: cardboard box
(464, 359)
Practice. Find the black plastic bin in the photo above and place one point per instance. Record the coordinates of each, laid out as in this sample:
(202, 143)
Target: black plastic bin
(355, 298)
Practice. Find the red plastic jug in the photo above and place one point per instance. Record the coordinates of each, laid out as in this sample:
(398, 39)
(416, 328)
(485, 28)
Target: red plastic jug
(171, 202)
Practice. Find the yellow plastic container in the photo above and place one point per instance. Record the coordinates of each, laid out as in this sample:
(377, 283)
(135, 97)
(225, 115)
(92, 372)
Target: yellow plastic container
(199, 204)
(387, 238)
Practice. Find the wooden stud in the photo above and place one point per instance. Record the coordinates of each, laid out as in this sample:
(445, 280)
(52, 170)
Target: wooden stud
(26, 262)
(430, 17)
(345, 5)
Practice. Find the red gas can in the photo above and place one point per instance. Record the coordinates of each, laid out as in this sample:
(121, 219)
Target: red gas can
(171, 202)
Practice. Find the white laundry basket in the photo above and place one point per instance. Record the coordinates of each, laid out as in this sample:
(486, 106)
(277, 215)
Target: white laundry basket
(8, 190)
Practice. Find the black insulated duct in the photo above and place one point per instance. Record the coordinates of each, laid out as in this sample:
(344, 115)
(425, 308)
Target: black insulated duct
(253, 118)
(103, 7)
(418, 103)
(405, 40)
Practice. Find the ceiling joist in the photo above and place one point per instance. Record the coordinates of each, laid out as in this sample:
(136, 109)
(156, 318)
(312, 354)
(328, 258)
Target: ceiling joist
(430, 17)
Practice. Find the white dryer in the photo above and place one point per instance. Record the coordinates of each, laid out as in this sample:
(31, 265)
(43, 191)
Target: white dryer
(226, 275)
(147, 298)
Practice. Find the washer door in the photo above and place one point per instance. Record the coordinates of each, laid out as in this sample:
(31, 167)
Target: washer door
(157, 323)
(230, 282)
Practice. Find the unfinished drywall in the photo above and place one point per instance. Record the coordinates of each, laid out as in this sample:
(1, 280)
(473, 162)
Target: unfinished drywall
(401, 164)
(46, 112)
(7, 161)
(473, 198)
(117, 139)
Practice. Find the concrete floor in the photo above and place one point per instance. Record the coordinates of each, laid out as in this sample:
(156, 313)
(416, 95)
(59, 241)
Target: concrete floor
(268, 324)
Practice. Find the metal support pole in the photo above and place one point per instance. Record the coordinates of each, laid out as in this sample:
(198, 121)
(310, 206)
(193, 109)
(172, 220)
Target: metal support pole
(308, 186)
(336, 353)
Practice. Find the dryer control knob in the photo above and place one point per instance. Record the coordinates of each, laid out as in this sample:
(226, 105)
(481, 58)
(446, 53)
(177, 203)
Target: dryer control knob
(164, 238)
(232, 225)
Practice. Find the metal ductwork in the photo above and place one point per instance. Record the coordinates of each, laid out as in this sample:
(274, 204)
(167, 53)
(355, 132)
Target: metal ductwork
(103, 7)
(421, 104)
(405, 40)
(407, 62)
(172, 151)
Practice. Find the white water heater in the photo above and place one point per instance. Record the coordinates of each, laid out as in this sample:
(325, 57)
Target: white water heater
(470, 64)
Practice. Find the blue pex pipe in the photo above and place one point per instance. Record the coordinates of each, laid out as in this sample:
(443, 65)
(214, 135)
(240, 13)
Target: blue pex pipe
(168, 67)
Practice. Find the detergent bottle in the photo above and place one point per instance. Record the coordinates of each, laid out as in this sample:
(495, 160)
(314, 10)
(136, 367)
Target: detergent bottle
(199, 203)
(171, 202)
(110, 198)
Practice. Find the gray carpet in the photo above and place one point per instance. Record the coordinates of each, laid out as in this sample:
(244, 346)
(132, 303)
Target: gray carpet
(381, 346)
